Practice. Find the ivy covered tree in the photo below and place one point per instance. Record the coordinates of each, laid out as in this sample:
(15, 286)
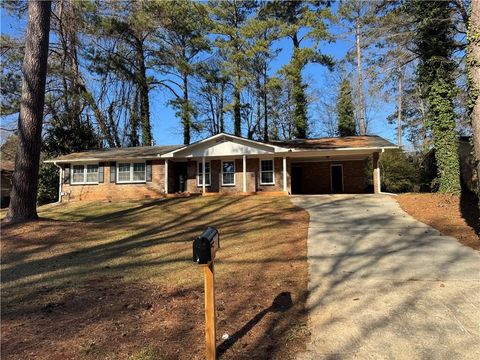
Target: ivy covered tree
(435, 44)
(345, 110)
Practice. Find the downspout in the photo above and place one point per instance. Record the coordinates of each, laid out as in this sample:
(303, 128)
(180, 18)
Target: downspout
(59, 182)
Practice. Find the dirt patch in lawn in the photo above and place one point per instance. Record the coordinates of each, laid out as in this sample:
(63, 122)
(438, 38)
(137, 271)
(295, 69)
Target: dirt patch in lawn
(118, 282)
(456, 216)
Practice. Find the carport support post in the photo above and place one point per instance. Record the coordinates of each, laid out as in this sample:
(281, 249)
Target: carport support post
(166, 176)
(210, 318)
(285, 174)
(376, 173)
(244, 173)
(203, 175)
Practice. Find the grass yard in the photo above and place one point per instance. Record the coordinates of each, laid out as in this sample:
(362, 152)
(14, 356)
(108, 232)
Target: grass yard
(116, 280)
(456, 216)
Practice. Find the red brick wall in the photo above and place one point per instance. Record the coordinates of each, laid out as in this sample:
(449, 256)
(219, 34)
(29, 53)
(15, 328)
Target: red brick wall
(113, 191)
(253, 177)
(316, 180)
(316, 177)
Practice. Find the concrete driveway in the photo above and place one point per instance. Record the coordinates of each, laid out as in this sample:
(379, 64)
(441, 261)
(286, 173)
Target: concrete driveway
(385, 286)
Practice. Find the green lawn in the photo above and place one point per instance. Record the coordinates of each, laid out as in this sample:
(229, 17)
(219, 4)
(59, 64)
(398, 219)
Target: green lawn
(116, 280)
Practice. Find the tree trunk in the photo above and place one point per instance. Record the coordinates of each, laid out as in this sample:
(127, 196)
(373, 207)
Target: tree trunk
(237, 117)
(474, 69)
(134, 141)
(265, 104)
(361, 100)
(221, 114)
(299, 98)
(144, 101)
(185, 112)
(399, 109)
(30, 119)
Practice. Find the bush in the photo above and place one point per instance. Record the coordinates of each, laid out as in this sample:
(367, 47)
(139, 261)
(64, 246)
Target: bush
(400, 172)
(47, 184)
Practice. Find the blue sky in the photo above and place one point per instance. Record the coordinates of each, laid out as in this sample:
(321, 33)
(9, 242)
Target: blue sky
(166, 129)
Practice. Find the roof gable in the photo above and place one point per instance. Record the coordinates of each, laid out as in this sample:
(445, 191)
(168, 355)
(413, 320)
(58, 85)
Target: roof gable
(224, 145)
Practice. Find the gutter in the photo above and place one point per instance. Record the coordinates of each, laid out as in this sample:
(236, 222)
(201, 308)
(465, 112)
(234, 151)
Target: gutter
(59, 182)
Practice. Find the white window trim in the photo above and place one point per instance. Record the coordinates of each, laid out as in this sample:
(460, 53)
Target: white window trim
(131, 181)
(208, 180)
(234, 173)
(84, 182)
(273, 171)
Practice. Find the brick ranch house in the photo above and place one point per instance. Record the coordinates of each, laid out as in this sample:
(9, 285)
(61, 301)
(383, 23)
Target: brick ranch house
(223, 164)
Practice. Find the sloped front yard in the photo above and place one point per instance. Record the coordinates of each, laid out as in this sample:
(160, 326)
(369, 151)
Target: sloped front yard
(116, 280)
(456, 216)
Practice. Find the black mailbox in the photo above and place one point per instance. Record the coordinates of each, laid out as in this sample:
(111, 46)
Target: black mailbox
(205, 246)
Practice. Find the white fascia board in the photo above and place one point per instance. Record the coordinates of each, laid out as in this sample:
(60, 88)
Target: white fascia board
(191, 151)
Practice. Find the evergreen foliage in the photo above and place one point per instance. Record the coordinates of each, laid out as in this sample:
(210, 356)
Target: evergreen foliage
(302, 22)
(345, 110)
(400, 172)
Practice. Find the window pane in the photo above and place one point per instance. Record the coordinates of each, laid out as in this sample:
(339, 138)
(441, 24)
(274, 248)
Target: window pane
(228, 178)
(207, 173)
(78, 174)
(124, 172)
(124, 167)
(267, 177)
(267, 165)
(139, 172)
(228, 167)
(138, 167)
(92, 173)
(77, 169)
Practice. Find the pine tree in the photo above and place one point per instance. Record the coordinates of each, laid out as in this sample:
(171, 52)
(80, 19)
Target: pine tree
(302, 22)
(181, 37)
(30, 120)
(345, 110)
(435, 44)
(230, 17)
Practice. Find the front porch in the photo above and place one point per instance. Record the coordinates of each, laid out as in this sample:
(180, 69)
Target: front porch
(249, 175)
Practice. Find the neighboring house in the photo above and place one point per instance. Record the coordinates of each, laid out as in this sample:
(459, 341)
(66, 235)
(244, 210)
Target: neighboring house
(6, 169)
(223, 164)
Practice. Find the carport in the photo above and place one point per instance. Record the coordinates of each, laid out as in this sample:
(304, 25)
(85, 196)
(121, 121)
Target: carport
(335, 165)
(313, 176)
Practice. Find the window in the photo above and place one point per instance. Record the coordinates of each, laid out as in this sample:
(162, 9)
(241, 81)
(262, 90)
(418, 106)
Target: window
(139, 172)
(266, 172)
(200, 174)
(228, 173)
(130, 172)
(85, 174)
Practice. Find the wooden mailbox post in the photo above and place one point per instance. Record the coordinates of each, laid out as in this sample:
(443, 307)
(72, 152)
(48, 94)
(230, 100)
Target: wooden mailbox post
(204, 250)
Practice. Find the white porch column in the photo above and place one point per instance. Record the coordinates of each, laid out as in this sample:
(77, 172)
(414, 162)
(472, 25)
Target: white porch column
(285, 173)
(166, 176)
(244, 173)
(203, 175)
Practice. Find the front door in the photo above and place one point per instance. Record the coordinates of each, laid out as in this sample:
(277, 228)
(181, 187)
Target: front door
(180, 174)
(337, 178)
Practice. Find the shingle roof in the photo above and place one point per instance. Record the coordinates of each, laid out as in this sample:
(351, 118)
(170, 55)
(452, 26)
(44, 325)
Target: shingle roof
(119, 153)
(149, 152)
(348, 142)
